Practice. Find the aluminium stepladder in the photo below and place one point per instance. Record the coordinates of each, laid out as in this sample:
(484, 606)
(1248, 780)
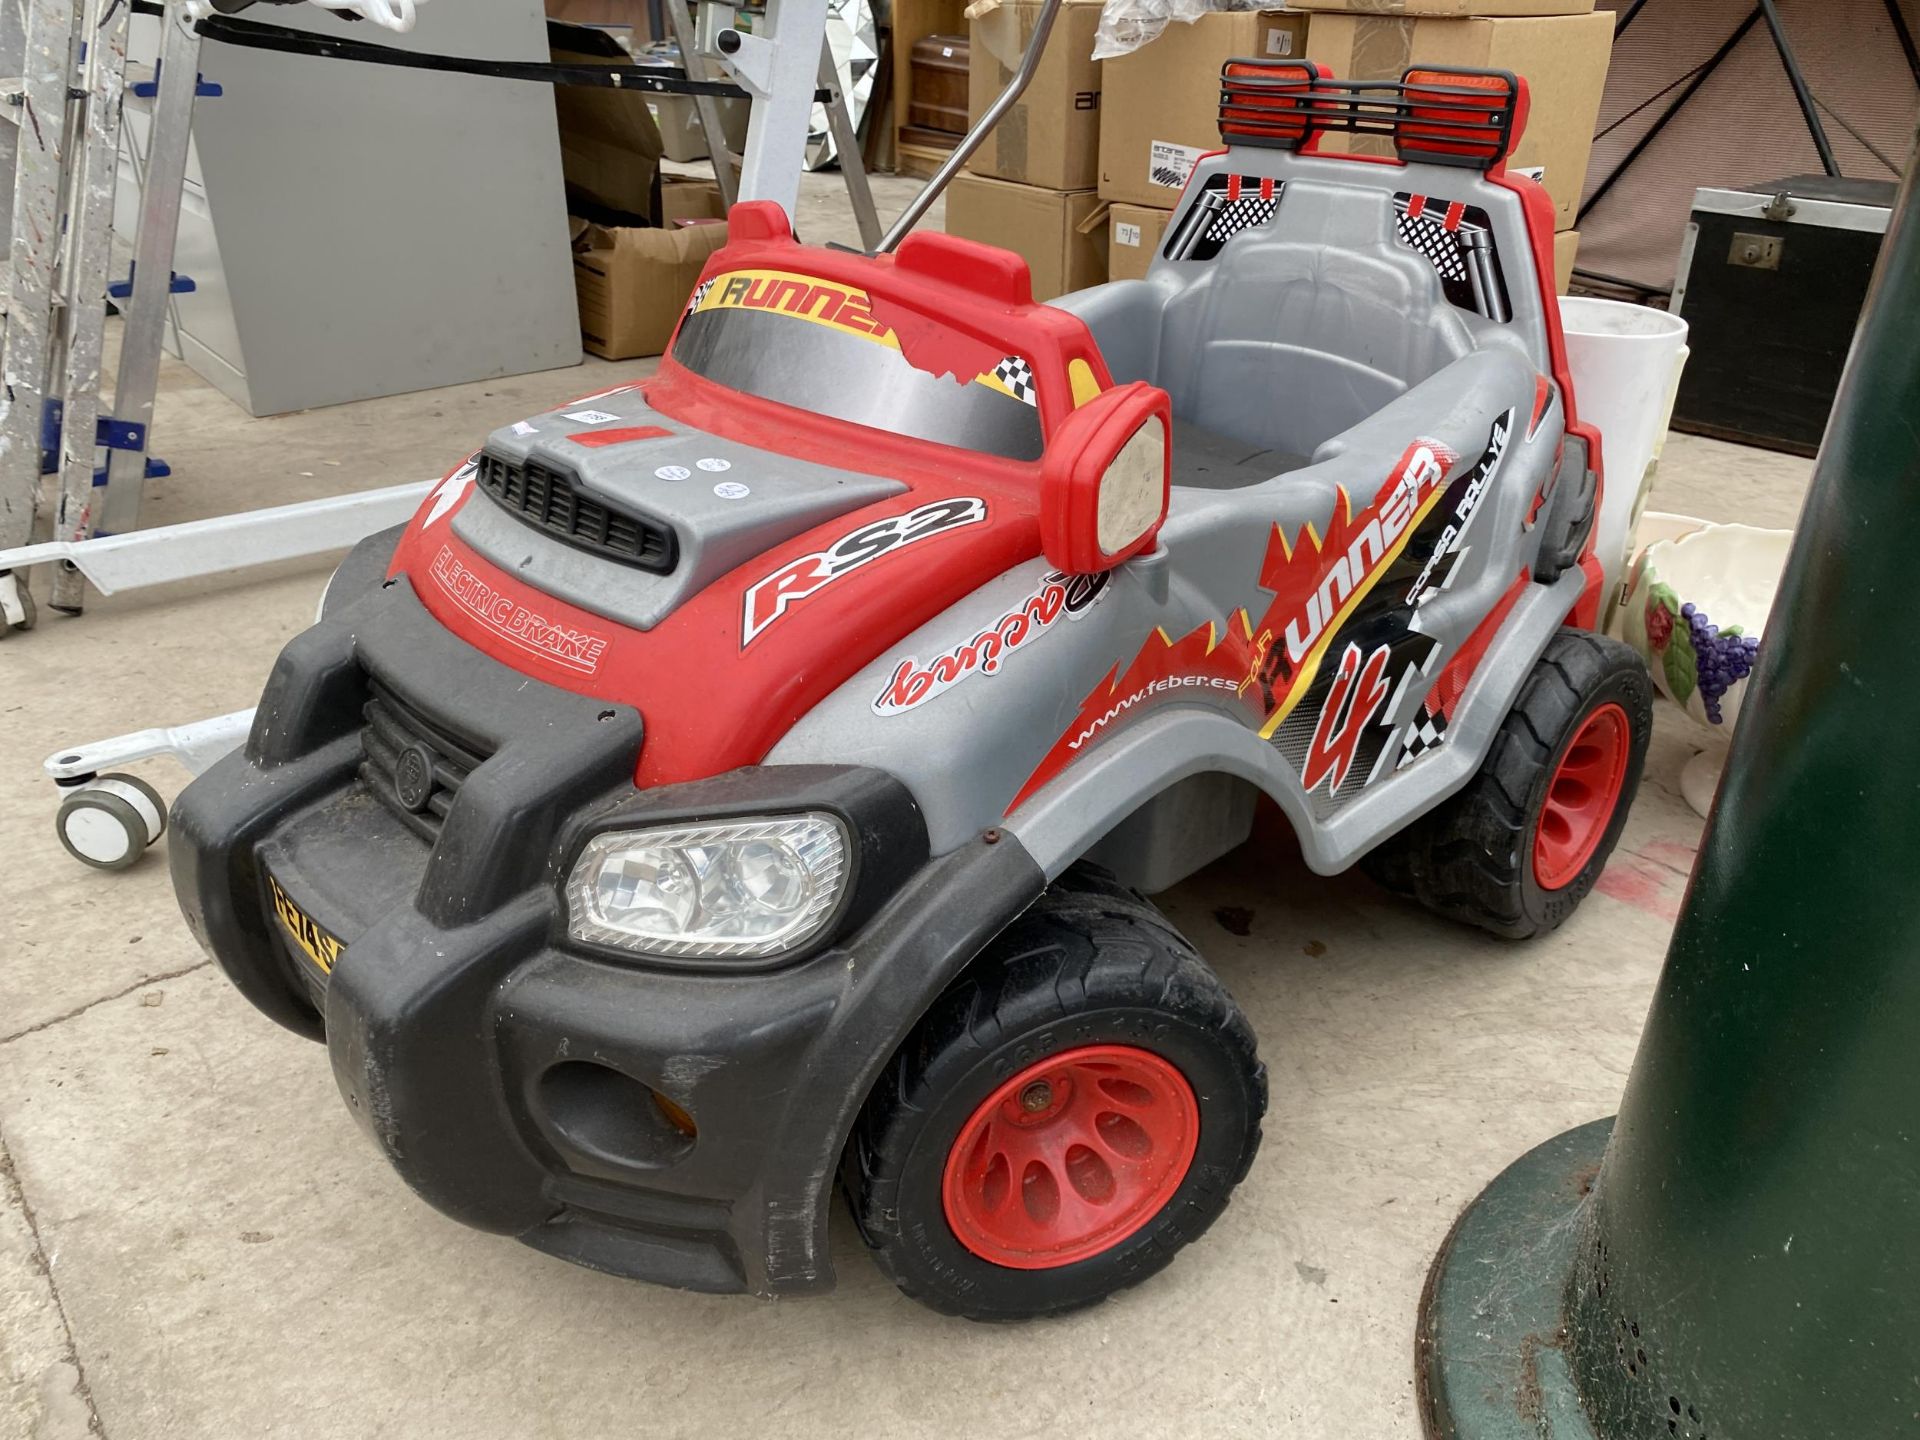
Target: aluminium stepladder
(65, 92)
(703, 31)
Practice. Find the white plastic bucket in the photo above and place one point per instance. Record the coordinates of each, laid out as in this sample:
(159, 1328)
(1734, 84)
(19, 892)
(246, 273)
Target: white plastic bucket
(1626, 362)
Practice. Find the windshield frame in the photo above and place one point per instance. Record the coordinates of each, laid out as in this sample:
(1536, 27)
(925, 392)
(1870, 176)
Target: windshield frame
(818, 346)
(976, 291)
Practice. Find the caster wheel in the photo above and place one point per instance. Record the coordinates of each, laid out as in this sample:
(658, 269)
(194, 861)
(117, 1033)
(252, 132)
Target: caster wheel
(110, 821)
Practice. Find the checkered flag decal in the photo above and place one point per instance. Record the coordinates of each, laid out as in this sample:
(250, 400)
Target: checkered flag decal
(1432, 239)
(1017, 375)
(1241, 214)
(699, 294)
(1426, 733)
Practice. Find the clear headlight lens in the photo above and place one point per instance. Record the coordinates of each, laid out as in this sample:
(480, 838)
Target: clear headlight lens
(749, 888)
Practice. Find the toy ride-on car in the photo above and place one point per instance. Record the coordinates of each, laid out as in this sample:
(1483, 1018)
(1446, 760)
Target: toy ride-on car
(745, 779)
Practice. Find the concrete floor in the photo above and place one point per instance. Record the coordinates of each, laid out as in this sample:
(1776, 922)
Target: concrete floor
(196, 1241)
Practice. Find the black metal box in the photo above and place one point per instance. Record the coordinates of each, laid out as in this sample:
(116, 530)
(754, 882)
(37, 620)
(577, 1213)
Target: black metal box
(1771, 282)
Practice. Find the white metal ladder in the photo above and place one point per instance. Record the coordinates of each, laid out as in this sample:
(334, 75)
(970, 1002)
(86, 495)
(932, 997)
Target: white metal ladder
(777, 78)
(65, 63)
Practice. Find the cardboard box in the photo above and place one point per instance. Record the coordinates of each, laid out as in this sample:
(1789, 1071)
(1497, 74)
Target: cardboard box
(623, 15)
(681, 136)
(1062, 235)
(609, 146)
(1051, 135)
(1454, 8)
(633, 283)
(1160, 106)
(1566, 245)
(683, 198)
(1134, 233)
(1562, 58)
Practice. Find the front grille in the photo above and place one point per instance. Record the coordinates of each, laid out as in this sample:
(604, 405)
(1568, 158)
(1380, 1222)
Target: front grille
(549, 499)
(440, 762)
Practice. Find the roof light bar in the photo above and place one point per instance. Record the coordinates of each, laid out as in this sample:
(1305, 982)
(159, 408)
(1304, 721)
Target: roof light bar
(1470, 118)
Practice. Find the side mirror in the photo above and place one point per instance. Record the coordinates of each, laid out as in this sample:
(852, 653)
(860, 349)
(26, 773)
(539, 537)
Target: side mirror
(1104, 479)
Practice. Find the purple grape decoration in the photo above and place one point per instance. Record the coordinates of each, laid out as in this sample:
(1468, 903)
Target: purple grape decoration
(1722, 659)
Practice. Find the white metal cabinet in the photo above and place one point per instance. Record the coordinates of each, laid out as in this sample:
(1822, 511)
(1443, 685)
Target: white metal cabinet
(359, 230)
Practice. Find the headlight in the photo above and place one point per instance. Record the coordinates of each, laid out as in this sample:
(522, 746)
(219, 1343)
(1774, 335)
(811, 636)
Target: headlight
(748, 888)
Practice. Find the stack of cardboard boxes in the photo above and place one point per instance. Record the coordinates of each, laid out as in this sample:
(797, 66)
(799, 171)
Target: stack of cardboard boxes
(1032, 187)
(1560, 47)
(1163, 114)
(631, 280)
(1160, 110)
(639, 238)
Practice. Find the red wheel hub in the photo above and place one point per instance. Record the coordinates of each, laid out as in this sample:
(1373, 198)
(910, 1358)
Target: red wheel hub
(1581, 798)
(1070, 1157)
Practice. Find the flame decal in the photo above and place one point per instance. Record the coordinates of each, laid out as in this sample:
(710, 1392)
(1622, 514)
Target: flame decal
(1221, 661)
(1263, 669)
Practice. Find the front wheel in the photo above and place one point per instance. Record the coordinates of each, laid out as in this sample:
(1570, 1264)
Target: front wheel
(1064, 1120)
(1519, 848)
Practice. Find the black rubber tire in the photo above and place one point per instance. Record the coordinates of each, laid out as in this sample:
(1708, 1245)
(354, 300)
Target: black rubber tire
(1471, 859)
(1090, 962)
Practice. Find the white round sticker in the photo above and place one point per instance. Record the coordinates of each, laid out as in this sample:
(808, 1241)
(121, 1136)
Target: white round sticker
(731, 490)
(714, 463)
(673, 472)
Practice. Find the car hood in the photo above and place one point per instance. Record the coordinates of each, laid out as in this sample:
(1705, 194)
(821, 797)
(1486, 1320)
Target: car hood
(715, 503)
(787, 576)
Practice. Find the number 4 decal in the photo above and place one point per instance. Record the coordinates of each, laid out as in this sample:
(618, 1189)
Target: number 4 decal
(1355, 694)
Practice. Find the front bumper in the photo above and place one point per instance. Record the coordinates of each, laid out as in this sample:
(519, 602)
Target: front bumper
(509, 1073)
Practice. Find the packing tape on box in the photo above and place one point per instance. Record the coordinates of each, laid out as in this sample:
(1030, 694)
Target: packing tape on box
(1003, 31)
(1382, 49)
(996, 28)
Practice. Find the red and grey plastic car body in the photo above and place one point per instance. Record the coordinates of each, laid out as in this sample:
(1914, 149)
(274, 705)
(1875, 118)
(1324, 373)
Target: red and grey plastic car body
(856, 552)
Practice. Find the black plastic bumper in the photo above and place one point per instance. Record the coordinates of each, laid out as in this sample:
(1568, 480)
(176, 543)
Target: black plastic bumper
(509, 1073)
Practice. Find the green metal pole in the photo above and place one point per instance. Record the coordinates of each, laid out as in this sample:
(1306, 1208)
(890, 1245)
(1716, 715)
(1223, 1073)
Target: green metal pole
(1745, 1261)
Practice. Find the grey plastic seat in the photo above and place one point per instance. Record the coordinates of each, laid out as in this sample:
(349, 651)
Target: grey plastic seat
(1300, 329)
(1208, 460)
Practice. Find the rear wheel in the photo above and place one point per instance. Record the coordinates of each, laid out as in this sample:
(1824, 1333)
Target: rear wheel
(1519, 848)
(1064, 1119)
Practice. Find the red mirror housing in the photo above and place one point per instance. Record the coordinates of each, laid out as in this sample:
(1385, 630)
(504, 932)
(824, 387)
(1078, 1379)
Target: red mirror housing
(1104, 479)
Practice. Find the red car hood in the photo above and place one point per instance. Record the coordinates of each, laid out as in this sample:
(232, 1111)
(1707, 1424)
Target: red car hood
(800, 551)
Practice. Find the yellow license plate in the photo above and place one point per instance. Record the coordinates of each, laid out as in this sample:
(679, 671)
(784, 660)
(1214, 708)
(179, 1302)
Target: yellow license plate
(313, 940)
